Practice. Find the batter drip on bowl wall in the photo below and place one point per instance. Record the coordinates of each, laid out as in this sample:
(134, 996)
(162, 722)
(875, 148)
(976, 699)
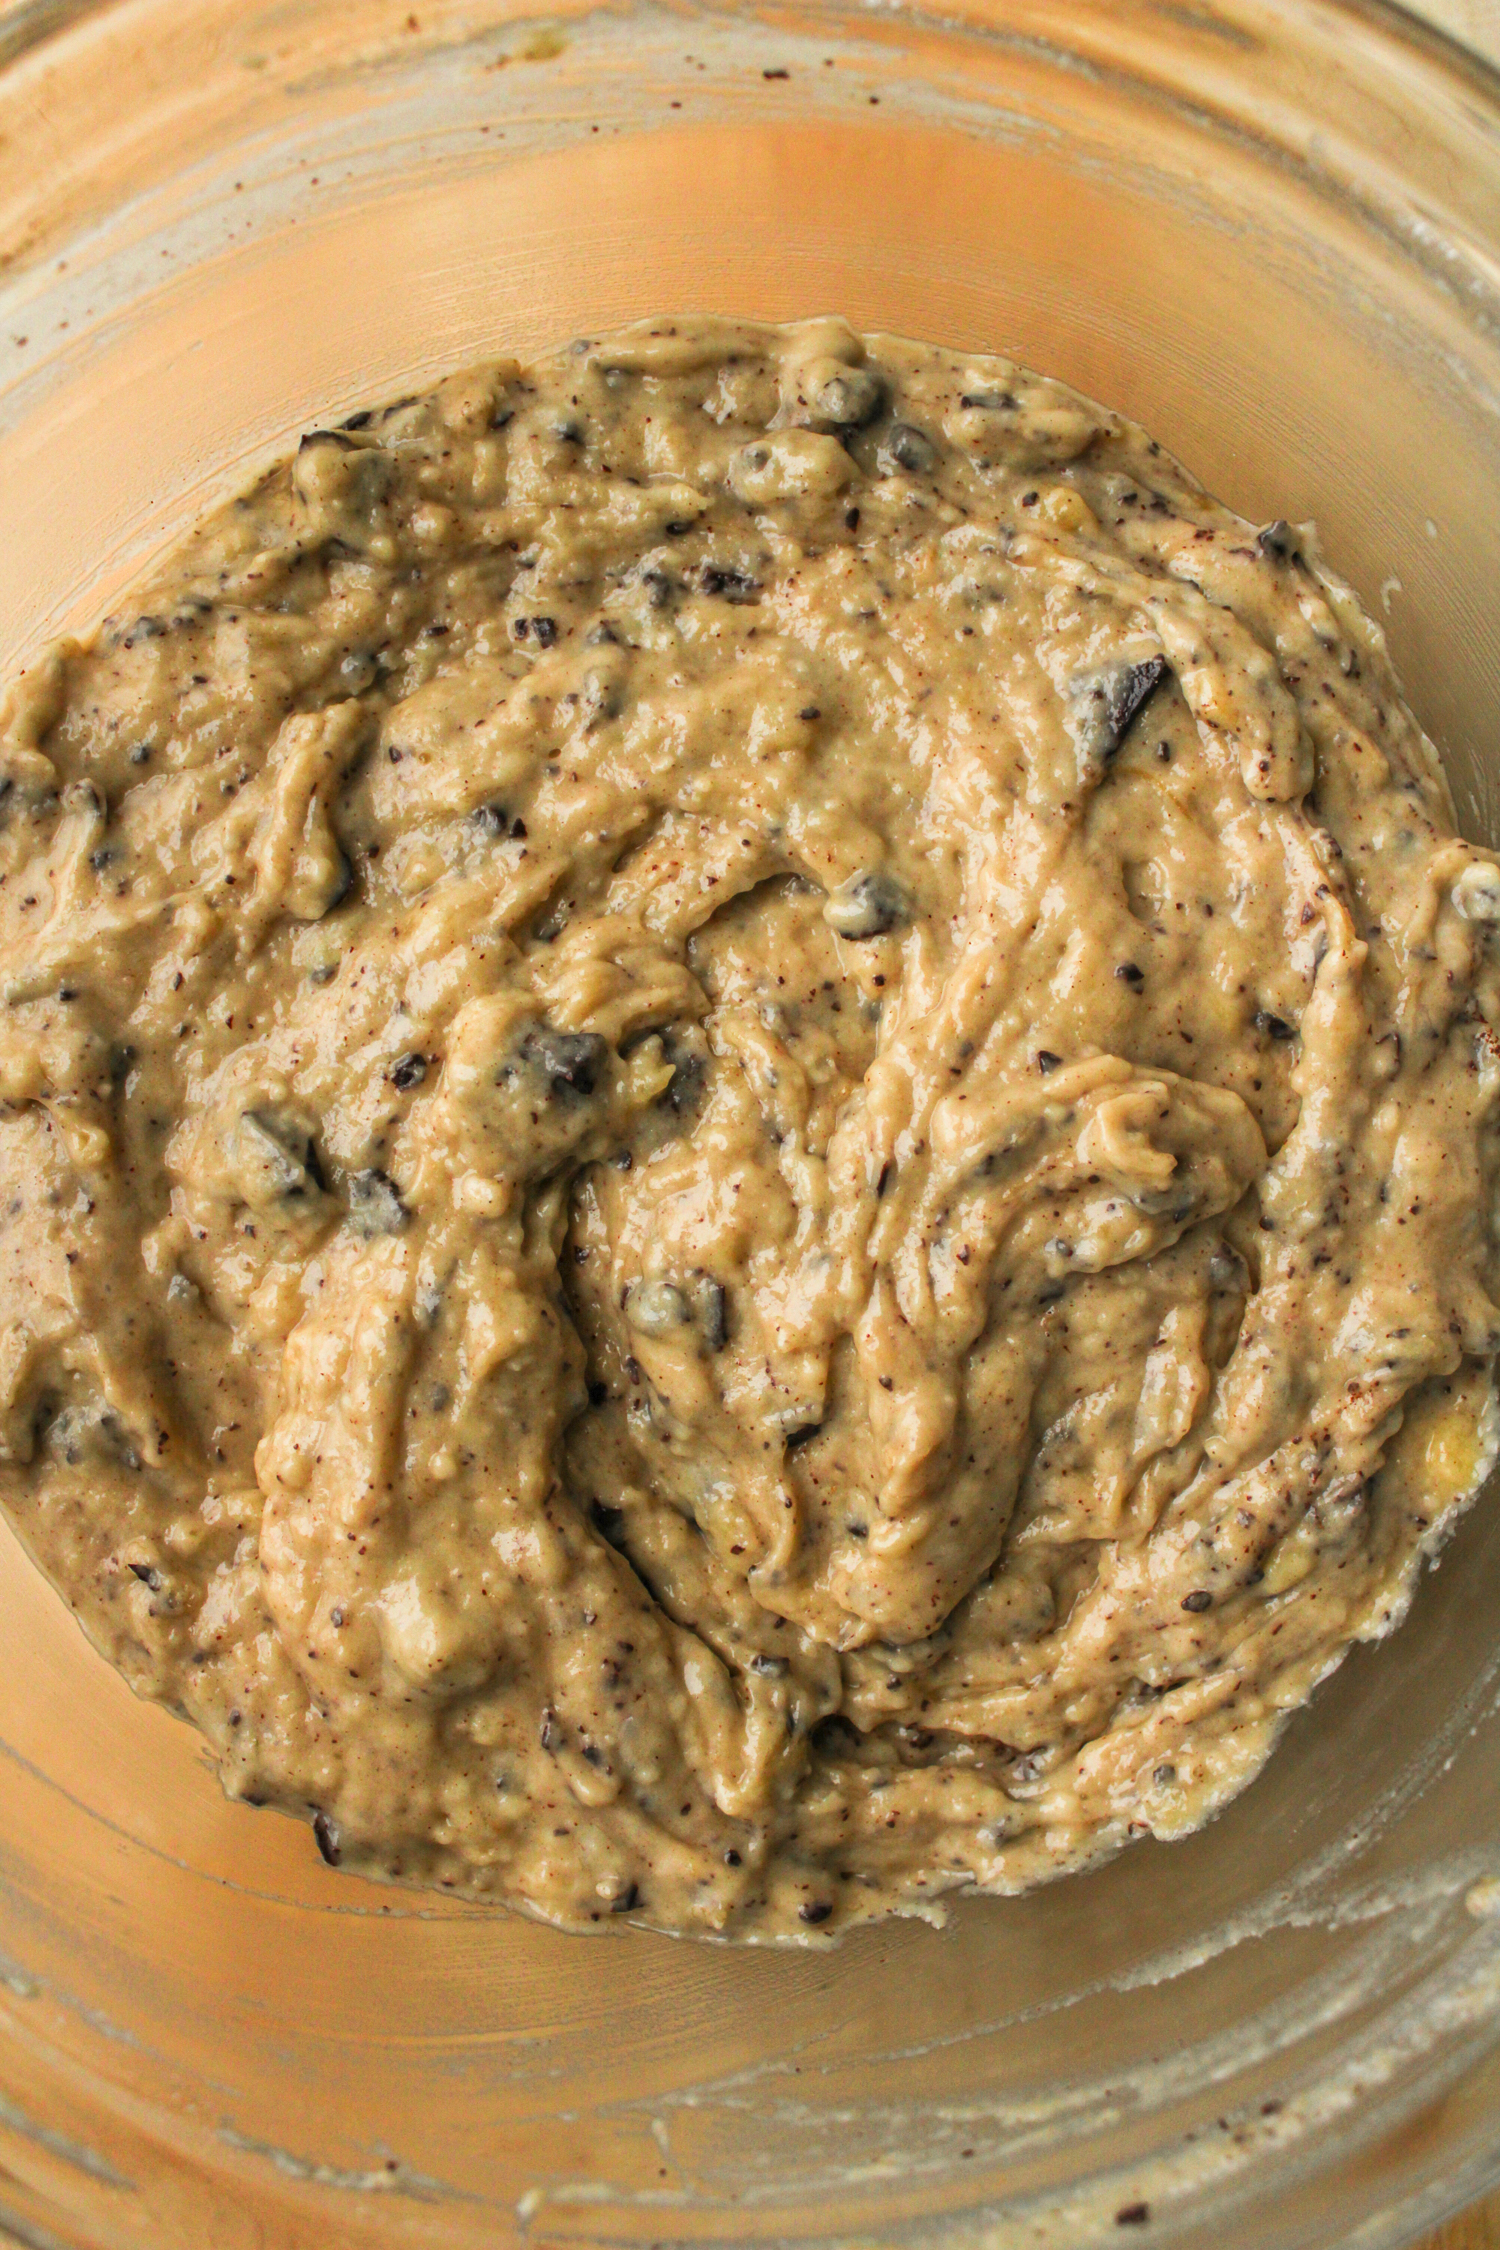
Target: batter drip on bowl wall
(749, 1133)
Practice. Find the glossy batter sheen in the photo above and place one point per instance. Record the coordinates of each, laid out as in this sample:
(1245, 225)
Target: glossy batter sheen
(748, 1133)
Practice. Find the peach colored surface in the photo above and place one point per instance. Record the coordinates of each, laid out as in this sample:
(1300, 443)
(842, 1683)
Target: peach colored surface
(248, 2049)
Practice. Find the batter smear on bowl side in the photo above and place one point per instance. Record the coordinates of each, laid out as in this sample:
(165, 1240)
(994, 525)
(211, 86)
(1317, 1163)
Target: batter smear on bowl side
(748, 1133)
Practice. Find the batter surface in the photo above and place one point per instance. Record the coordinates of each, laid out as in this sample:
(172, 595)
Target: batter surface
(748, 1133)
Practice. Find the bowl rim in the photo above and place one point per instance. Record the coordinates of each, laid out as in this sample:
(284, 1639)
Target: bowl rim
(26, 25)
(29, 28)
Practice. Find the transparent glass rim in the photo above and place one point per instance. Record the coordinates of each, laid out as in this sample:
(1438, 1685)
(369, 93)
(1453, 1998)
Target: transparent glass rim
(27, 27)
(29, 24)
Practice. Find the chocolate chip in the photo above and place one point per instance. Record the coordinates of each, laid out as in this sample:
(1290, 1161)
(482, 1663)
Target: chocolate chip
(816, 1910)
(869, 906)
(375, 1205)
(1198, 1602)
(570, 1061)
(608, 1522)
(491, 819)
(326, 1835)
(712, 1306)
(905, 447)
(1274, 1027)
(276, 1158)
(1134, 2215)
(1279, 541)
(408, 1071)
(1106, 703)
(1047, 1062)
(725, 583)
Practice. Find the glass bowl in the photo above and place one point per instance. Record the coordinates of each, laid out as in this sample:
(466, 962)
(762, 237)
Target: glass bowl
(1269, 230)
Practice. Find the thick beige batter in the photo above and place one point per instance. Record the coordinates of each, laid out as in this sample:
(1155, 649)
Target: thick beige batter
(748, 1140)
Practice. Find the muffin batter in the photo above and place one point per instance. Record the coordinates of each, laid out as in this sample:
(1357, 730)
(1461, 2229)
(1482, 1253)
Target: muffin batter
(748, 1133)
